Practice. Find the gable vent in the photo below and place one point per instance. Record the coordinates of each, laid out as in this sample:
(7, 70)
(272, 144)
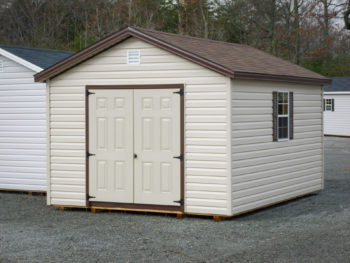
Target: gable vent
(133, 56)
(1, 66)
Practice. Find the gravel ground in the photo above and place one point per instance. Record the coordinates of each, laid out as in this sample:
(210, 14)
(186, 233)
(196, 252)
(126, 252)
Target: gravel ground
(311, 229)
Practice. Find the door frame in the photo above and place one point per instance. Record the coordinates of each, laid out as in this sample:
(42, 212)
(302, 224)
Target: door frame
(132, 206)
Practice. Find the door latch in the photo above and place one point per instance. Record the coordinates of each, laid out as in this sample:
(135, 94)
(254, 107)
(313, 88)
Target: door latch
(181, 201)
(180, 157)
(88, 197)
(135, 155)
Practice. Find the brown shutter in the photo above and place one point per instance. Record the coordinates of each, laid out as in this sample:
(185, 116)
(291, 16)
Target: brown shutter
(332, 104)
(274, 117)
(291, 115)
(324, 104)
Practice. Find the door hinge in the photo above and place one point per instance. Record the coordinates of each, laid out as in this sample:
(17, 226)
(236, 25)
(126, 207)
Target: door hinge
(180, 157)
(181, 92)
(181, 201)
(89, 154)
(88, 197)
(87, 93)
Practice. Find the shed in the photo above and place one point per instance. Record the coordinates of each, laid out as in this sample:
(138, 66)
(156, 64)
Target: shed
(146, 120)
(23, 117)
(336, 107)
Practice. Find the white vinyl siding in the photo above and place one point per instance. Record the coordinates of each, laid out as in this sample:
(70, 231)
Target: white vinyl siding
(22, 129)
(337, 122)
(207, 129)
(266, 172)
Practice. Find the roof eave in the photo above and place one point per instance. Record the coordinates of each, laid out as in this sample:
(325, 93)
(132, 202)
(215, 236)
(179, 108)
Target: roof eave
(81, 56)
(20, 60)
(282, 78)
(125, 33)
(115, 39)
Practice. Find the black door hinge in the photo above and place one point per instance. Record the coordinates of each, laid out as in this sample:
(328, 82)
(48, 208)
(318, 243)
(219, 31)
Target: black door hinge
(181, 201)
(88, 197)
(87, 93)
(180, 157)
(89, 154)
(181, 92)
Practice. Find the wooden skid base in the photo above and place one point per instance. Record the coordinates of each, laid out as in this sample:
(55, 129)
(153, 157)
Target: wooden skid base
(30, 192)
(179, 215)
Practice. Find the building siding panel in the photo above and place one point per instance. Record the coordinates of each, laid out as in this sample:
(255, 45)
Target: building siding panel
(266, 172)
(22, 129)
(337, 122)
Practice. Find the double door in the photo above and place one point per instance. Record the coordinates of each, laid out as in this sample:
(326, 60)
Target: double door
(134, 146)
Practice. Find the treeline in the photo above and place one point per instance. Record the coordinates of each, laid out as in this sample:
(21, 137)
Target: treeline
(311, 33)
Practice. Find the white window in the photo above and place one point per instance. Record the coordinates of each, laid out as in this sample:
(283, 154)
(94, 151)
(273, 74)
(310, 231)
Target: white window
(1, 66)
(283, 115)
(133, 56)
(329, 105)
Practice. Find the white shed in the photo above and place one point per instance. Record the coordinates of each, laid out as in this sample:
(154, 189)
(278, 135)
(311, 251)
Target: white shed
(145, 120)
(23, 117)
(336, 107)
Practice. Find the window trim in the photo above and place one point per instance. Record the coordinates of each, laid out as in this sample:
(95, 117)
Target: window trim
(283, 115)
(331, 104)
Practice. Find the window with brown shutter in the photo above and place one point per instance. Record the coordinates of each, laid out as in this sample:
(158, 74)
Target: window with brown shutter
(328, 104)
(283, 115)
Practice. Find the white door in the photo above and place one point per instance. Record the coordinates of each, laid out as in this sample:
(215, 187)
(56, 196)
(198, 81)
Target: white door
(135, 135)
(156, 143)
(111, 140)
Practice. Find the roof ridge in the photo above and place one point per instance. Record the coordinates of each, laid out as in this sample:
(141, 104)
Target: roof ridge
(192, 37)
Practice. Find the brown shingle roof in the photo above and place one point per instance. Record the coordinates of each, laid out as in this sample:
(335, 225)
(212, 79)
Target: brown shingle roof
(236, 57)
(233, 60)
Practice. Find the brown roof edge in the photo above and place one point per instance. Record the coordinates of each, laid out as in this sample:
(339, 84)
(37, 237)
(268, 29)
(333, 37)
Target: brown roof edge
(82, 55)
(116, 38)
(125, 33)
(282, 78)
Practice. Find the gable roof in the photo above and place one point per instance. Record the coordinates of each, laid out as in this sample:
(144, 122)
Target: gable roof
(339, 84)
(232, 60)
(40, 58)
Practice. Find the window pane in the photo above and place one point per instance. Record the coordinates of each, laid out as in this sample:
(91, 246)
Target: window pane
(285, 109)
(280, 108)
(285, 132)
(280, 122)
(285, 97)
(280, 97)
(284, 121)
(328, 107)
(283, 127)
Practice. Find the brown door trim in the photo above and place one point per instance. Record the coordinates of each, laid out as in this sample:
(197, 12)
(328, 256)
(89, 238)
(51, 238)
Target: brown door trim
(182, 148)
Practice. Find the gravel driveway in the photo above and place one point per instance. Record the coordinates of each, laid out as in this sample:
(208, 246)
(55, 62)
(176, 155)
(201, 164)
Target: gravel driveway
(311, 229)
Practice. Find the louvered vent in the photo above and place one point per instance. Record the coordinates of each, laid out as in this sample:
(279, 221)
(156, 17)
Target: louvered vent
(1, 66)
(133, 56)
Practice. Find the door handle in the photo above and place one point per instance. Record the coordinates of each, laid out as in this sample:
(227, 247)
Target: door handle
(135, 155)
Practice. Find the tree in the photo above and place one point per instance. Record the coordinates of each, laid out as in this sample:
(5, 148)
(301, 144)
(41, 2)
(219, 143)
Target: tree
(347, 16)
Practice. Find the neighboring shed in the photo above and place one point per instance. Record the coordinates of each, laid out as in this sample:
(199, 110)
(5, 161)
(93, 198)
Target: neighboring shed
(336, 109)
(23, 117)
(145, 120)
